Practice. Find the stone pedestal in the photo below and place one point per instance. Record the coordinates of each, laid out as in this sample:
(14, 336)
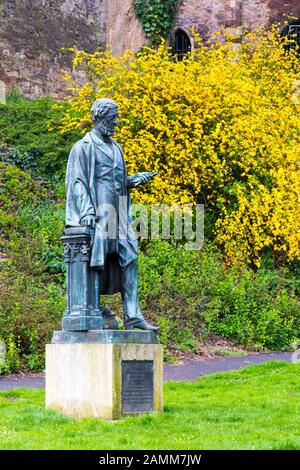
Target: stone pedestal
(104, 374)
(83, 302)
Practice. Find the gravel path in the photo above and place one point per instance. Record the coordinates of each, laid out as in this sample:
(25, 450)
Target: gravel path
(194, 369)
(187, 371)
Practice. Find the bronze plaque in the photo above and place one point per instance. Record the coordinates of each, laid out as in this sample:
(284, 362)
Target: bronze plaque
(137, 386)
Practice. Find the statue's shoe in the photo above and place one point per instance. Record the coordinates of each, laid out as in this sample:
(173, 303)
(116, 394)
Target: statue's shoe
(141, 325)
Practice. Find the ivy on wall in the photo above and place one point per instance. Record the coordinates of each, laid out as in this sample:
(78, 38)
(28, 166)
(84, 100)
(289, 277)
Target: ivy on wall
(157, 17)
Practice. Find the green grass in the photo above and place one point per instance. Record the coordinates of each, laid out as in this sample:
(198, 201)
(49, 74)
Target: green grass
(229, 352)
(256, 408)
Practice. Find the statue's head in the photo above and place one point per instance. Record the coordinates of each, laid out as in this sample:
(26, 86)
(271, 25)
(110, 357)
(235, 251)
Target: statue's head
(105, 116)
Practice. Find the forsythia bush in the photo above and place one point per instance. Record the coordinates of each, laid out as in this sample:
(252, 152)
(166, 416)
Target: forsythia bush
(220, 127)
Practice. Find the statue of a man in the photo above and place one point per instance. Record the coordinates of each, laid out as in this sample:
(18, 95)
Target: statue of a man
(96, 180)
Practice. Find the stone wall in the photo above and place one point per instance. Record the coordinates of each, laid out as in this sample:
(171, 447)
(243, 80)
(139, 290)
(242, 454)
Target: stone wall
(32, 32)
(124, 30)
(207, 16)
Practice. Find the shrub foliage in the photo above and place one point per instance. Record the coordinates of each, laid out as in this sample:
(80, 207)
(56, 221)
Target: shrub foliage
(157, 17)
(27, 140)
(220, 127)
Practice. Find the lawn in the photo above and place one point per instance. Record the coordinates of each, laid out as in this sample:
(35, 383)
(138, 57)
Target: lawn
(256, 408)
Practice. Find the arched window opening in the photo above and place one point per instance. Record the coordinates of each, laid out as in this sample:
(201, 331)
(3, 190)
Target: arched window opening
(181, 44)
(292, 31)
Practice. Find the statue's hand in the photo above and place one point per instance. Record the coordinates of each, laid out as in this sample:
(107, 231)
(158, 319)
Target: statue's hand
(140, 178)
(145, 176)
(88, 221)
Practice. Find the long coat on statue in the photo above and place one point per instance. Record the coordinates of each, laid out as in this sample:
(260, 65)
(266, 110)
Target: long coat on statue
(82, 201)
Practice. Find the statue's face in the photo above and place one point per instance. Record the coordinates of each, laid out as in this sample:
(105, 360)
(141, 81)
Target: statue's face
(106, 126)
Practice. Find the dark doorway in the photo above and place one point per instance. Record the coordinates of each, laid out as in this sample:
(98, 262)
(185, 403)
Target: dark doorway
(181, 44)
(292, 30)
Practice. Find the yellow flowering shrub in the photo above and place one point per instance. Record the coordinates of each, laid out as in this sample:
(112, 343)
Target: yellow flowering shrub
(221, 127)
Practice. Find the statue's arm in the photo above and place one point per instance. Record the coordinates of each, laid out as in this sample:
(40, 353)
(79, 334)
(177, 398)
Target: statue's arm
(87, 210)
(79, 200)
(132, 181)
(139, 178)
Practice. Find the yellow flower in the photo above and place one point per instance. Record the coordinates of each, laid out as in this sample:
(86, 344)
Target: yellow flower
(219, 126)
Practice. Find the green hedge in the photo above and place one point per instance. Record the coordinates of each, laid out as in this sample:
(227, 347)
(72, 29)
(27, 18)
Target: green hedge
(194, 291)
(27, 140)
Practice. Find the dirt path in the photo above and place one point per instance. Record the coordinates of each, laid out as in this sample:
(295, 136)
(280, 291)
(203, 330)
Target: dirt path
(178, 372)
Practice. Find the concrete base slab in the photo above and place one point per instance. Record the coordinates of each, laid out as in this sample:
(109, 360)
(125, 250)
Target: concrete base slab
(104, 380)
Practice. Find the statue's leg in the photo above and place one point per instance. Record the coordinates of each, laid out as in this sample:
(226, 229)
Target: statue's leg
(133, 317)
(130, 292)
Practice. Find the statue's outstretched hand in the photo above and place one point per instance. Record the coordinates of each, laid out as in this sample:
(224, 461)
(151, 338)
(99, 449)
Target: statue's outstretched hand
(145, 176)
(88, 221)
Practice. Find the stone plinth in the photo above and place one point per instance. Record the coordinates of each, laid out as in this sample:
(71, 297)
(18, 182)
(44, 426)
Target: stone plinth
(83, 303)
(105, 375)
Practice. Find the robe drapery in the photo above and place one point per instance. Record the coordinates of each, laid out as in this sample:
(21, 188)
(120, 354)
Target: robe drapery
(81, 201)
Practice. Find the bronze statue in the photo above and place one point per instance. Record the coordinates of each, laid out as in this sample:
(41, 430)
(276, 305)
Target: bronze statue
(97, 180)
